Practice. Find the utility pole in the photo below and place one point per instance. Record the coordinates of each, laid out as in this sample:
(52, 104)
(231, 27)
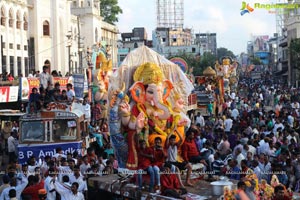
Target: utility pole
(80, 47)
(69, 35)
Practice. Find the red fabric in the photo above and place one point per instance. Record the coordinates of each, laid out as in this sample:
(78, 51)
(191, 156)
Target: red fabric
(132, 160)
(159, 158)
(33, 190)
(91, 157)
(189, 149)
(96, 112)
(144, 162)
(169, 181)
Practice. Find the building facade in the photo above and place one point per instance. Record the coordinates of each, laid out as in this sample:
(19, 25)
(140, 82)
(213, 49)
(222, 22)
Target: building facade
(14, 29)
(207, 41)
(58, 31)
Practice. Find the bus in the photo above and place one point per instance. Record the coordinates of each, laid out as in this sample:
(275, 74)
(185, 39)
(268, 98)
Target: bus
(41, 133)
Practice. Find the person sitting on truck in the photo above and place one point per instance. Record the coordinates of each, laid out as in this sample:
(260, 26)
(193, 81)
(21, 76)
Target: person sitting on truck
(34, 101)
(70, 93)
(145, 157)
(63, 97)
(190, 152)
(172, 149)
(170, 184)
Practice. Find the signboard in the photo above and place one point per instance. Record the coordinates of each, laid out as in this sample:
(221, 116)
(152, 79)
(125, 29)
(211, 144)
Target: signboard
(26, 85)
(42, 150)
(63, 81)
(78, 84)
(9, 94)
(260, 43)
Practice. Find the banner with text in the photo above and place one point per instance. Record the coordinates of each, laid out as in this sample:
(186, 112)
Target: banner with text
(9, 94)
(78, 84)
(26, 85)
(42, 150)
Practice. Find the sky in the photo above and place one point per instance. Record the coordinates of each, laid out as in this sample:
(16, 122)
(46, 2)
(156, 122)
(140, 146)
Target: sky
(214, 16)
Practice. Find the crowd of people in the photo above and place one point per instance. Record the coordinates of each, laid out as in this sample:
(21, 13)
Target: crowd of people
(255, 132)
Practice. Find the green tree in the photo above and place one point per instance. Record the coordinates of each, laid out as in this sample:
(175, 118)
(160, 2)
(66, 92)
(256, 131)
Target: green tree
(222, 52)
(109, 10)
(206, 60)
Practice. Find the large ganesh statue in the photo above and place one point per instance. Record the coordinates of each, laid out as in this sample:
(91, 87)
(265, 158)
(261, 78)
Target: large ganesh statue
(158, 90)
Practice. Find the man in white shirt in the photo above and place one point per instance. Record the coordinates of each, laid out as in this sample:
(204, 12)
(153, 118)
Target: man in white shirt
(200, 120)
(277, 125)
(256, 169)
(49, 186)
(78, 178)
(70, 93)
(86, 109)
(13, 185)
(239, 157)
(12, 144)
(45, 78)
(228, 125)
(72, 194)
(235, 113)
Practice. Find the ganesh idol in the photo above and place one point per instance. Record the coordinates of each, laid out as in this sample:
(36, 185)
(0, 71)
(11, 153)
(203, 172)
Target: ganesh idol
(152, 114)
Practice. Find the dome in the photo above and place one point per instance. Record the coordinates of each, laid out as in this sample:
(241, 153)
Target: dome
(209, 71)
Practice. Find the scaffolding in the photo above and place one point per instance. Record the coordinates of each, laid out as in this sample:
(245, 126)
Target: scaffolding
(170, 14)
(281, 16)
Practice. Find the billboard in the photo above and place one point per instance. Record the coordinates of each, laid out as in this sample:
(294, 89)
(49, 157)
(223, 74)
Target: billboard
(260, 43)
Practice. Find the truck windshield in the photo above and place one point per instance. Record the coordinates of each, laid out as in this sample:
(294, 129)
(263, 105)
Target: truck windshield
(64, 129)
(32, 131)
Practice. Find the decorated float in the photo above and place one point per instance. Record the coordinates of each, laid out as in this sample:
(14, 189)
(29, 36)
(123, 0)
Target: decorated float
(102, 70)
(148, 97)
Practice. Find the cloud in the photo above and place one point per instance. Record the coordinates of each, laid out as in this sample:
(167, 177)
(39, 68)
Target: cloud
(215, 16)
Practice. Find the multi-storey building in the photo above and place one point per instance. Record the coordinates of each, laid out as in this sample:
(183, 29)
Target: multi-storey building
(207, 41)
(58, 31)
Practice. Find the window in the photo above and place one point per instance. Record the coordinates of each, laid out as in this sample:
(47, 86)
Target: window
(19, 63)
(11, 45)
(26, 66)
(11, 62)
(64, 129)
(46, 28)
(4, 67)
(3, 18)
(32, 131)
(193, 50)
(163, 39)
(18, 47)
(3, 44)
(18, 23)
(11, 18)
(25, 47)
(25, 22)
